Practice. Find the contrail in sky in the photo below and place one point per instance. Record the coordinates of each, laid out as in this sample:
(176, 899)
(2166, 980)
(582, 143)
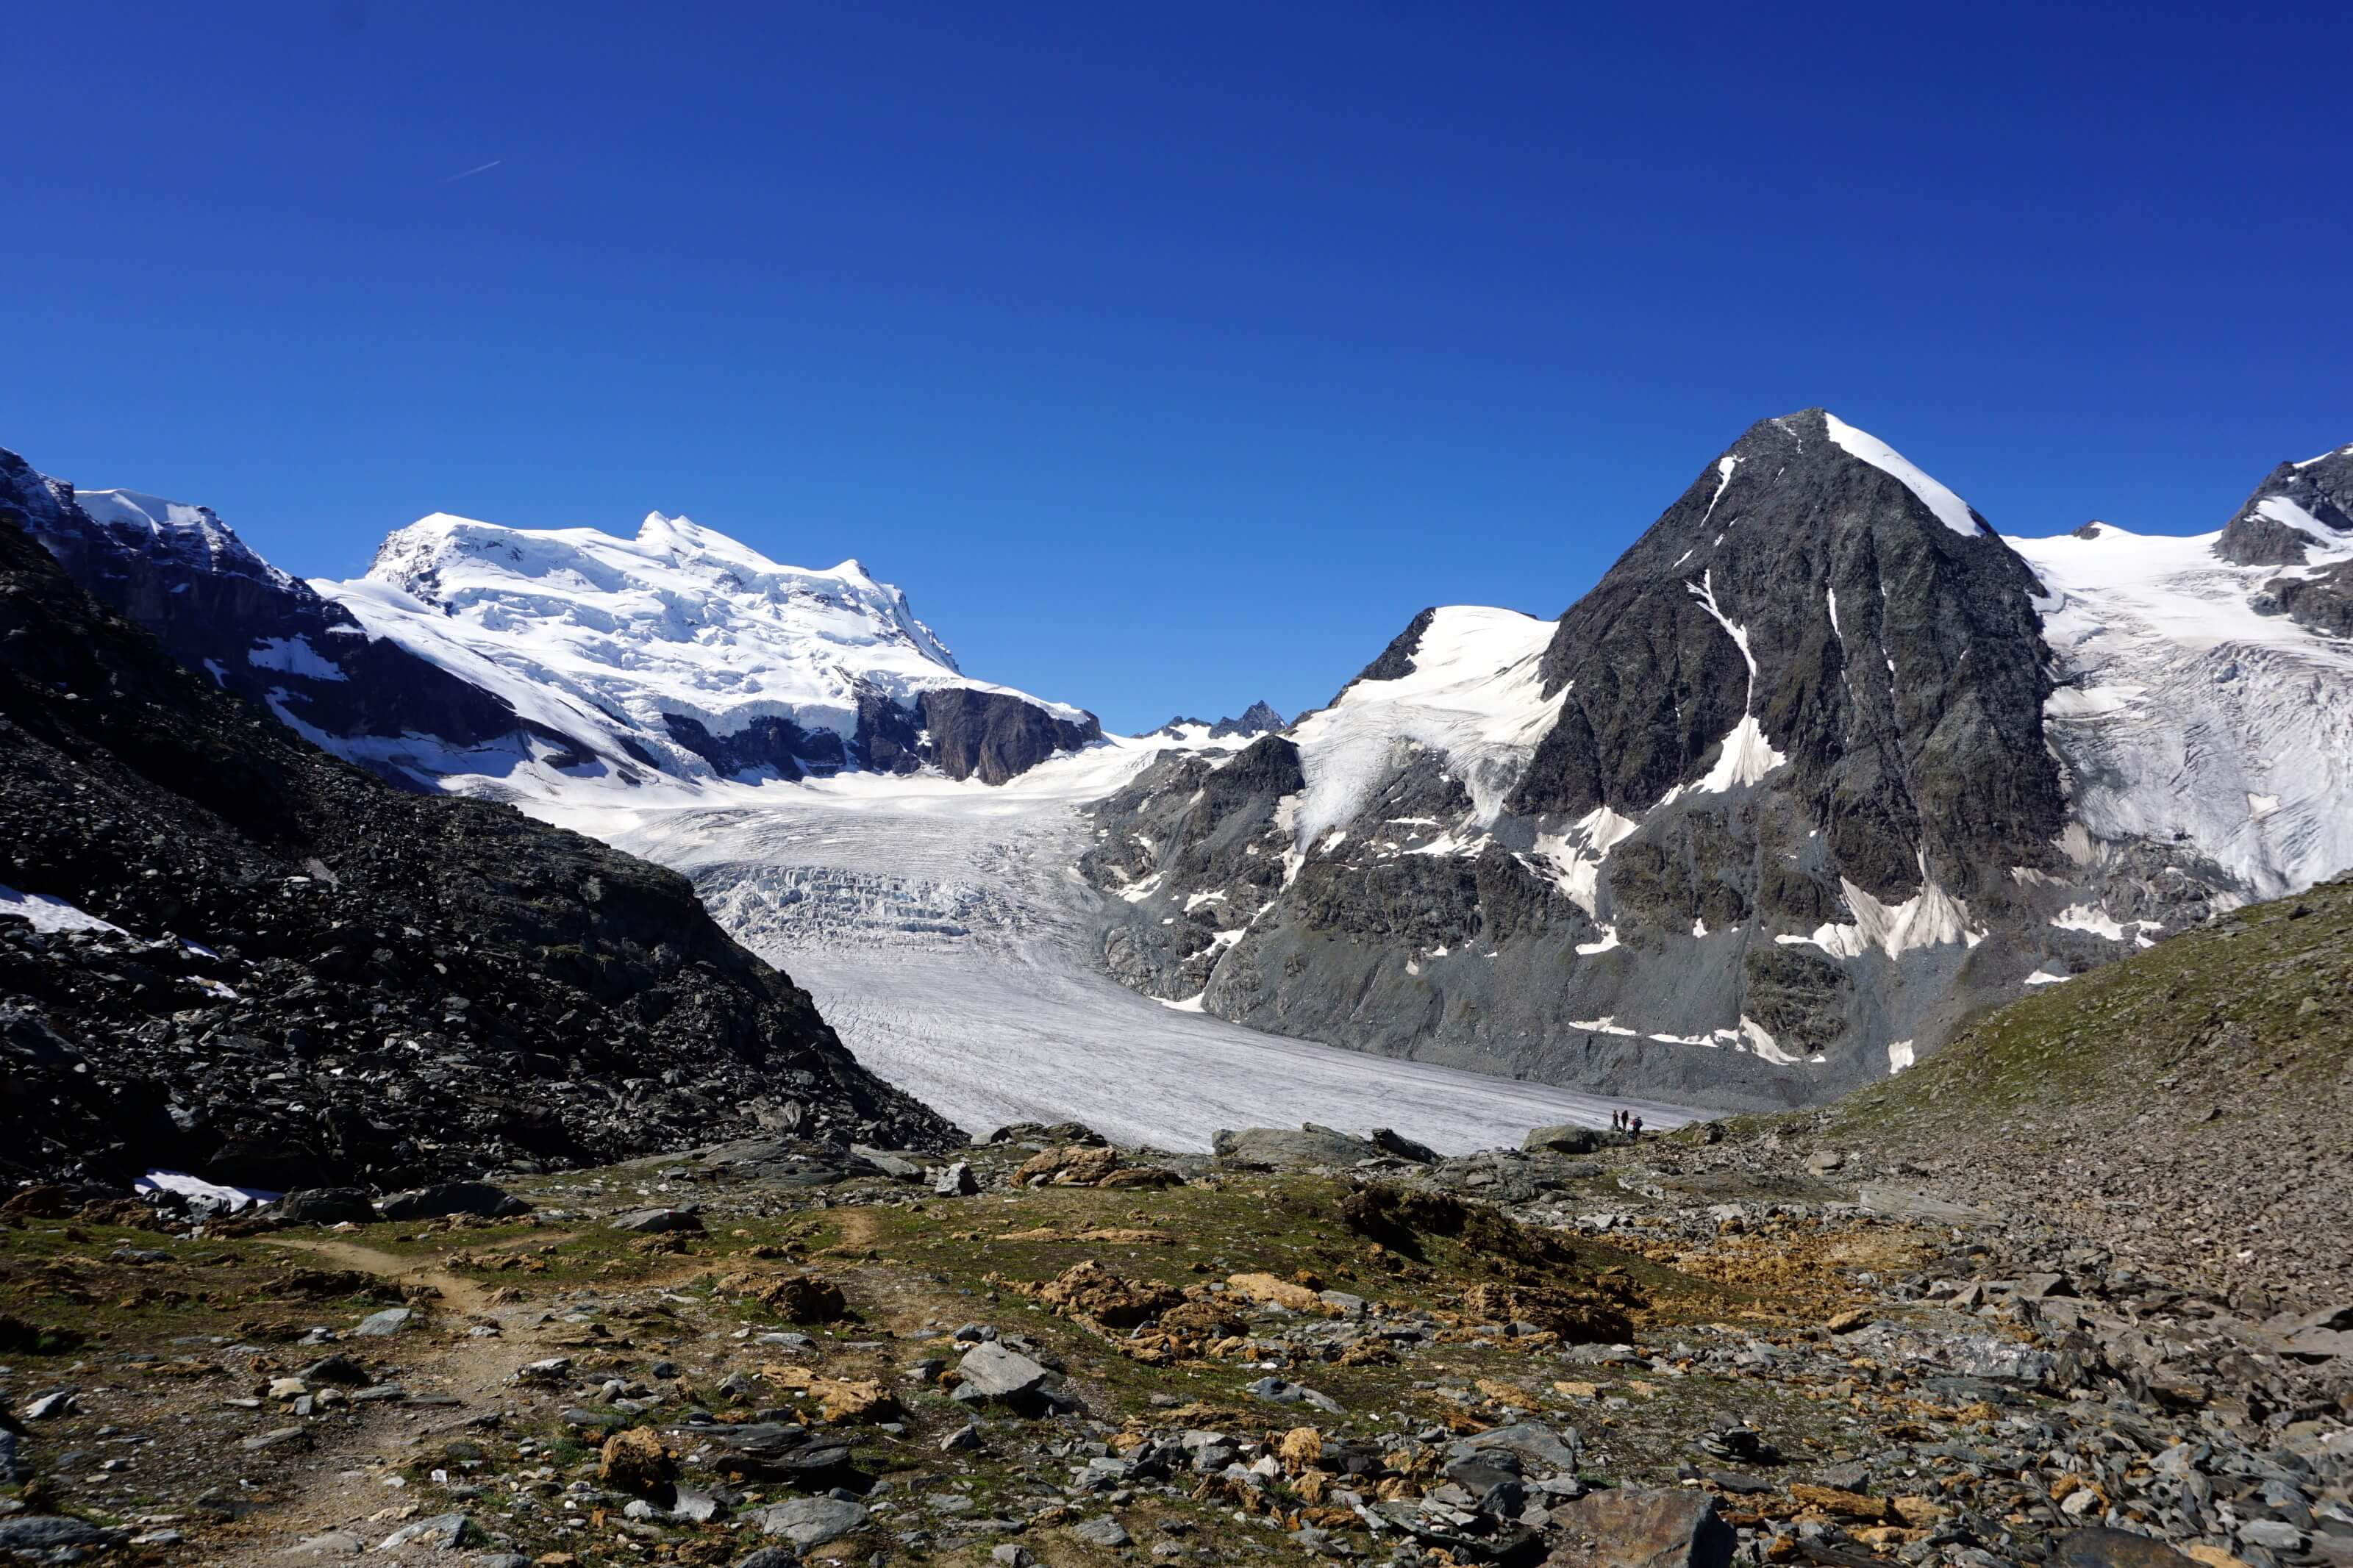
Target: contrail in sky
(470, 173)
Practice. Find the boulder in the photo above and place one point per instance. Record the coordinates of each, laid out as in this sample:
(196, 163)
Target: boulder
(809, 1521)
(1636, 1526)
(773, 1451)
(1088, 1289)
(955, 1180)
(1402, 1147)
(797, 1298)
(1106, 1532)
(1068, 1165)
(1542, 1451)
(635, 1461)
(891, 1162)
(1564, 1138)
(391, 1320)
(476, 1198)
(1279, 1148)
(1268, 1290)
(990, 1371)
(654, 1220)
(326, 1206)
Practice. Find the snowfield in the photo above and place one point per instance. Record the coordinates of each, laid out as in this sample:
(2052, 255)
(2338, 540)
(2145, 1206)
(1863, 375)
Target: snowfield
(2186, 715)
(946, 935)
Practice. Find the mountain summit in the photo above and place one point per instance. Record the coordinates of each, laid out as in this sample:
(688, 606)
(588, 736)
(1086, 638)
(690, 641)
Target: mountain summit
(559, 663)
(695, 655)
(1822, 764)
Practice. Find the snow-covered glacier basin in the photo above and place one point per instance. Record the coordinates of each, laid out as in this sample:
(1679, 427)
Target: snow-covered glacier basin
(944, 933)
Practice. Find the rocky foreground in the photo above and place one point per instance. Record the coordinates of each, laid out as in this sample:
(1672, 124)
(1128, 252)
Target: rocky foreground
(1745, 1343)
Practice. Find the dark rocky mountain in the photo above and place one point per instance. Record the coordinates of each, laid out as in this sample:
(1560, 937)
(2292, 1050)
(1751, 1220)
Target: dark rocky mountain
(380, 680)
(222, 611)
(225, 951)
(1763, 815)
(1257, 719)
(2302, 516)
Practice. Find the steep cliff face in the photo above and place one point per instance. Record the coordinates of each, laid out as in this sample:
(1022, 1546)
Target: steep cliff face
(1815, 604)
(1802, 781)
(224, 950)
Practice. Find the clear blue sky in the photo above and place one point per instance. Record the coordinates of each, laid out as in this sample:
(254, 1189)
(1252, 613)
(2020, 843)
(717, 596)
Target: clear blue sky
(1168, 355)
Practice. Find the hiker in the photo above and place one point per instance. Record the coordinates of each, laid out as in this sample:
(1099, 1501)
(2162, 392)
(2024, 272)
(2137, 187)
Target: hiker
(1638, 1127)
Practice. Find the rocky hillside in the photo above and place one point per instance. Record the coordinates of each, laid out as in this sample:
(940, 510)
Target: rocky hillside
(1820, 765)
(2186, 1105)
(224, 951)
(1588, 1352)
(556, 665)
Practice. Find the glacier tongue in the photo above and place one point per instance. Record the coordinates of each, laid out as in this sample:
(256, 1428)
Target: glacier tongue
(946, 938)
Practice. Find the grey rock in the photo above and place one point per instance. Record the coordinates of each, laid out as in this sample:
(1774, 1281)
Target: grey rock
(1012, 1554)
(276, 1438)
(1279, 1148)
(992, 1371)
(1103, 1530)
(955, 1180)
(2272, 1535)
(1564, 1138)
(810, 1521)
(49, 1406)
(391, 1320)
(891, 1162)
(443, 1532)
(650, 1221)
(1543, 1450)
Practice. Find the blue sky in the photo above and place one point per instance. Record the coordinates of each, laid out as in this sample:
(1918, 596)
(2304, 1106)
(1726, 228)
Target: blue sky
(1167, 356)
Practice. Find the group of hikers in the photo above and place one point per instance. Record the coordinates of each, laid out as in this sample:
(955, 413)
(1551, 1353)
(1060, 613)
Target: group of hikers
(1626, 1122)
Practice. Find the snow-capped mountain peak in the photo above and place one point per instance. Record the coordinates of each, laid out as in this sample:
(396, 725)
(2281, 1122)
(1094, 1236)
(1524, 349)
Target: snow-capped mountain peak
(176, 529)
(685, 649)
(675, 582)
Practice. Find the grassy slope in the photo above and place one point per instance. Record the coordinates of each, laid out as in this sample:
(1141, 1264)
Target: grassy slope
(2251, 1015)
